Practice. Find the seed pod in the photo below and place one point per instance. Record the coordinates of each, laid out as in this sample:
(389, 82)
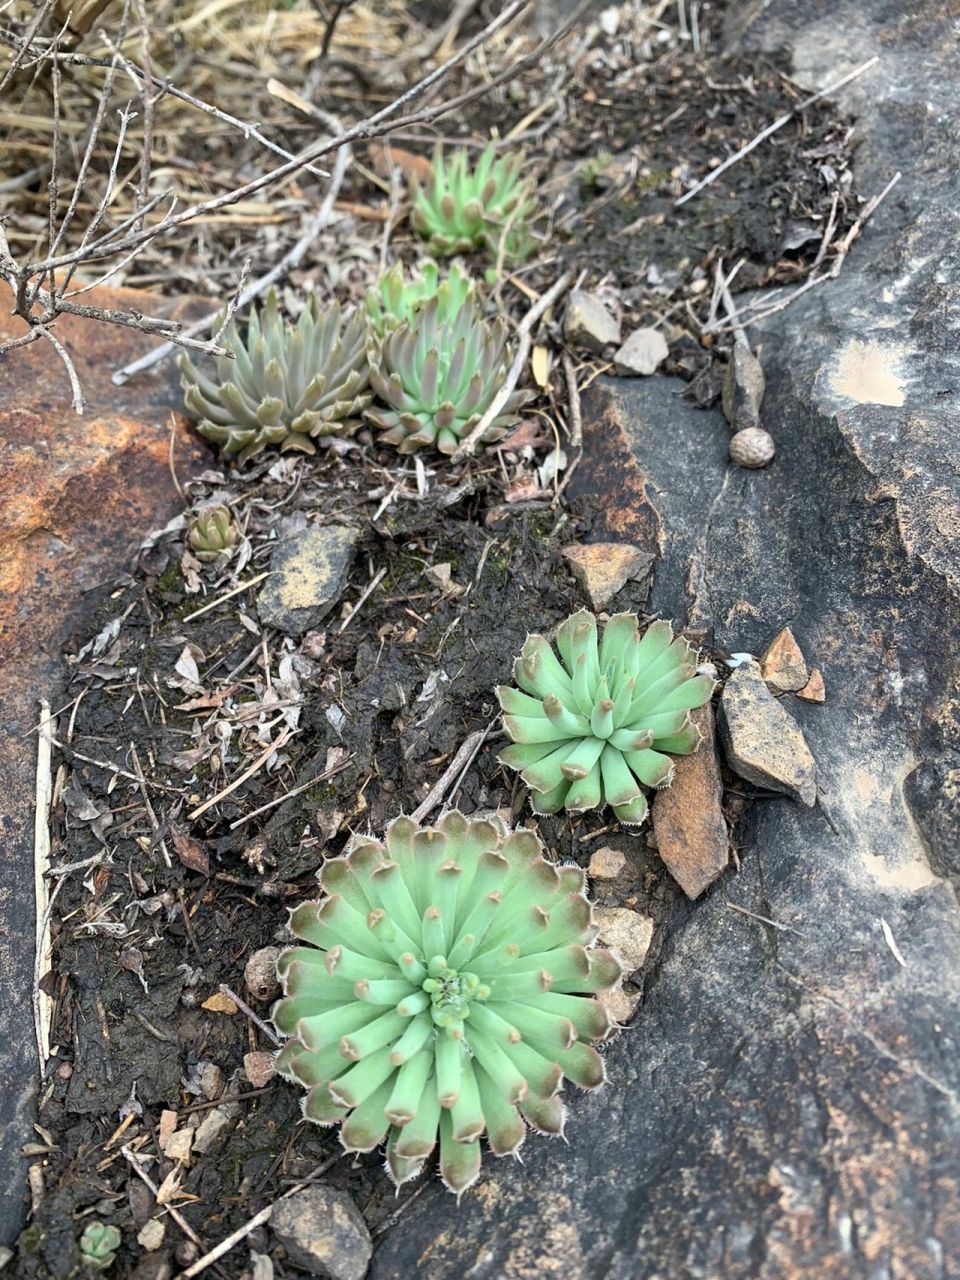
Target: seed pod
(752, 447)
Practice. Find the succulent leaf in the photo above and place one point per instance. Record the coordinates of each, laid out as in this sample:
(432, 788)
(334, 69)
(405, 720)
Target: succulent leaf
(286, 385)
(598, 720)
(396, 298)
(485, 207)
(443, 988)
(436, 376)
(212, 533)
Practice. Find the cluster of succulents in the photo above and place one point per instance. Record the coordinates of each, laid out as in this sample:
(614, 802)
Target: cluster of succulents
(486, 206)
(98, 1245)
(422, 342)
(437, 376)
(212, 533)
(286, 384)
(598, 720)
(443, 988)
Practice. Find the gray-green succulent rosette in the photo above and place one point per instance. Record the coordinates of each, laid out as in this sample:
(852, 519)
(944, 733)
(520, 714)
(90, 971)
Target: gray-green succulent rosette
(286, 385)
(599, 719)
(442, 989)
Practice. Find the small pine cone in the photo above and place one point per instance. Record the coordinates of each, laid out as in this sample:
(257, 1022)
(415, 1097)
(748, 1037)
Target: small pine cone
(752, 447)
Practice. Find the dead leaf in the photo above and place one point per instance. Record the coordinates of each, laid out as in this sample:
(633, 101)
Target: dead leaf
(530, 434)
(190, 852)
(166, 1127)
(540, 363)
(219, 1003)
(409, 164)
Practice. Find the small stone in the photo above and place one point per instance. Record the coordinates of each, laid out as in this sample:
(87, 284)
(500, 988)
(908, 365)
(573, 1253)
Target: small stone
(308, 573)
(688, 815)
(589, 323)
(219, 1003)
(621, 1005)
(743, 387)
(215, 1128)
(627, 933)
(211, 1081)
(604, 568)
(813, 690)
(260, 973)
(323, 1232)
(783, 666)
(606, 864)
(177, 1146)
(752, 448)
(258, 1068)
(762, 741)
(151, 1234)
(642, 353)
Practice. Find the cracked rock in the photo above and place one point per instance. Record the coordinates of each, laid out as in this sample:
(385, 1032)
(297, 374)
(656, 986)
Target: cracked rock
(602, 569)
(627, 933)
(323, 1232)
(762, 741)
(688, 815)
(308, 572)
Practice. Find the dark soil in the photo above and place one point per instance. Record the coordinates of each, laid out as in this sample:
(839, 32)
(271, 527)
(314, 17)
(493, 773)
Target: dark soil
(142, 946)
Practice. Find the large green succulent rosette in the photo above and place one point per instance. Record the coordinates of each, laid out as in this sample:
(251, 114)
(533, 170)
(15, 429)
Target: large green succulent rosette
(443, 988)
(596, 721)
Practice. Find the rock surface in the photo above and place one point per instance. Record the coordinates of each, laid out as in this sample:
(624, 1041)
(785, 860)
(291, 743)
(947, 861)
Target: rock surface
(642, 354)
(308, 571)
(589, 323)
(761, 740)
(688, 815)
(76, 495)
(786, 1102)
(783, 666)
(602, 569)
(323, 1232)
(627, 933)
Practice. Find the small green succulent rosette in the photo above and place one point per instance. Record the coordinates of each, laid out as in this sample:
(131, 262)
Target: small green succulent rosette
(397, 298)
(286, 384)
(436, 376)
(212, 533)
(486, 206)
(98, 1245)
(442, 988)
(597, 721)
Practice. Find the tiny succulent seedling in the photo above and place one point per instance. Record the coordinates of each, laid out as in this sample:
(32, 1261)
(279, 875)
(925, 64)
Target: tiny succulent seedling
(444, 988)
(212, 533)
(486, 206)
(287, 384)
(600, 721)
(397, 298)
(98, 1245)
(437, 377)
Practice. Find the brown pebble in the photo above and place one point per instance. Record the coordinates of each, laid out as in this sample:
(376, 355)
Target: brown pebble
(258, 1068)
(783, 666)
(606, 864)
(813, 690)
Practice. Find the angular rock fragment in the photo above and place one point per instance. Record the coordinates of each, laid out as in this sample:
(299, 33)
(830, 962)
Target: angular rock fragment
(642, 353)
(589, 322)
(762, 741)
(606, 864)
(323, 1232)
(783, 666)
(625, 932)
(743, 387)
(813, 690)
(620, 1004)
(604, 568)
(688, 815)
(308, 572)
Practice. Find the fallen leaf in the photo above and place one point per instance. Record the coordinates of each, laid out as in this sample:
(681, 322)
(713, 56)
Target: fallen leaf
(409, 164)
(219, 1003)
(190, 852)
(540, 363)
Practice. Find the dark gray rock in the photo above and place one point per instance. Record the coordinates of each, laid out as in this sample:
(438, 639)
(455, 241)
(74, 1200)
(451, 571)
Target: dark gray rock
(786, 1103)
(761, 740)
(323, 1232)
(743, 387)
(308, 572)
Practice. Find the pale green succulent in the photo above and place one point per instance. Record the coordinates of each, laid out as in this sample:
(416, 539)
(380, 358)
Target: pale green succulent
(287, 384)
(212, 533)
(601, 721)
(436, 379)
(396, 298)
(486, 206)
(444, 990)
(99, 1244)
